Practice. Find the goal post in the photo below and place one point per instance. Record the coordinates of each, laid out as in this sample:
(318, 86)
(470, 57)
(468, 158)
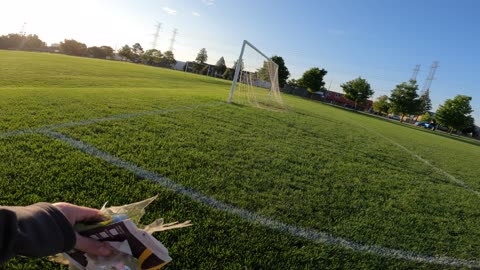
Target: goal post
(255, 72)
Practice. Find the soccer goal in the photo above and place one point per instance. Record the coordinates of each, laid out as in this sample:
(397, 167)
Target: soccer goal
(255, 80)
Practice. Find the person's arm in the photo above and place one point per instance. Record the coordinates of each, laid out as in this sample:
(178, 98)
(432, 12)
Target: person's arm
(44, 229)
(36, 230)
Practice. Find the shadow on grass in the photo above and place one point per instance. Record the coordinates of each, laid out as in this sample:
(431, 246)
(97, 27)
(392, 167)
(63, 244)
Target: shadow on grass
(238, 104)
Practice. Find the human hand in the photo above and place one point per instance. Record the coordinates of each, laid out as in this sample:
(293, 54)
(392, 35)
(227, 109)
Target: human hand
(75, 214)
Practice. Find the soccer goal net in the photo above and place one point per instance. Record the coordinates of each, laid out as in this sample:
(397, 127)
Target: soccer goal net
(255, 80)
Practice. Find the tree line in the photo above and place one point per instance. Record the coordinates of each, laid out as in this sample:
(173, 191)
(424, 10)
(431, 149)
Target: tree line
(21, 42)
(220, 69)
(454, 114)
(135, 53)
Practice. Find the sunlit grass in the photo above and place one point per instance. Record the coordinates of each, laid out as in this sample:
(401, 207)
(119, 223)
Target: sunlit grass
(313, 166)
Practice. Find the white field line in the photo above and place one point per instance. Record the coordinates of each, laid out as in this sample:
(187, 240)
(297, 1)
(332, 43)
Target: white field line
(103, 119)
(426, 162)
(311, 235)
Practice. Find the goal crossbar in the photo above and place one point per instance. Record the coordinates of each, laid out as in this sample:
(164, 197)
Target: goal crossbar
(239, 64)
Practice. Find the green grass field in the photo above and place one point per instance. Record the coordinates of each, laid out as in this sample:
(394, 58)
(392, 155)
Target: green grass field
(355, 177)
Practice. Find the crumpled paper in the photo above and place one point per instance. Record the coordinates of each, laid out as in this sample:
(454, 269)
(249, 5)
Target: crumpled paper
(135, 212)
(122, 258)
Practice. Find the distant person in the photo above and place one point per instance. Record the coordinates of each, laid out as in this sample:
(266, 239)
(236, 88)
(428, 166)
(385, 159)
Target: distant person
(45, 229)
(434, 124)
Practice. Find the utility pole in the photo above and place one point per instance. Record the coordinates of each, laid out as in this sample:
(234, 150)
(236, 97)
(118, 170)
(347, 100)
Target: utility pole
(415, 72)
(431, 77)
(158, 26)
(172, 40)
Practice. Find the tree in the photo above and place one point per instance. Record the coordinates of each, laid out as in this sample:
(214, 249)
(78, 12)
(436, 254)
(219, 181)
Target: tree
(312, 79)
(455, 113)
(126, 52)
(425, 103)
(381, 105)
(283, 72)
(220, 66)
(469, 127)
(404, 99)
(264, 71)
(137, 52)
(22, 42)
(427, 117)
(6, 42)
(292, 82)
(201, 59)
(152, 57)
(168, 59)
(32, 42)
(96, 52)
(73, 47)
(108, 51)
(357, 90)
(202, 56)
(10, 41)
(242, 65)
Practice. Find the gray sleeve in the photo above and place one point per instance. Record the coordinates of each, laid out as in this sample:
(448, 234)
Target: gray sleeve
(37, 230)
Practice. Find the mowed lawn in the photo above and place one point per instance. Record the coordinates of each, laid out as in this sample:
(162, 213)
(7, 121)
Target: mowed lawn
(313, 166)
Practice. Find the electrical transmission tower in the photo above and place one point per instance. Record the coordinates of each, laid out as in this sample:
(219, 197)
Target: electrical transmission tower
(155, 36)
(431, 77)
(415, 73)
(22, 31)
(172, 40)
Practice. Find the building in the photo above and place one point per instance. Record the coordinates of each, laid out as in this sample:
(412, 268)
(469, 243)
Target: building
(340, 100)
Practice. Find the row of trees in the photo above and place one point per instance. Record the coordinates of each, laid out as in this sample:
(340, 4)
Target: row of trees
(200, 66)
(21, 42)
(405, 101)
(68, 46)
(357, 90)
(135, 53)
(76, 48)
(153, 57)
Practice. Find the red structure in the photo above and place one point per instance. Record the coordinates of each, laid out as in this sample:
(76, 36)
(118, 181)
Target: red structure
(339, 99)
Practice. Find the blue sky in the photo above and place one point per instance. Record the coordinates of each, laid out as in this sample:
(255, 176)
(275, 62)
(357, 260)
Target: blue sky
(380, 40)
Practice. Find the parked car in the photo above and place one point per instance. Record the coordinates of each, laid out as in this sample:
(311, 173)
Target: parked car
(394, 117)
(425, 125)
